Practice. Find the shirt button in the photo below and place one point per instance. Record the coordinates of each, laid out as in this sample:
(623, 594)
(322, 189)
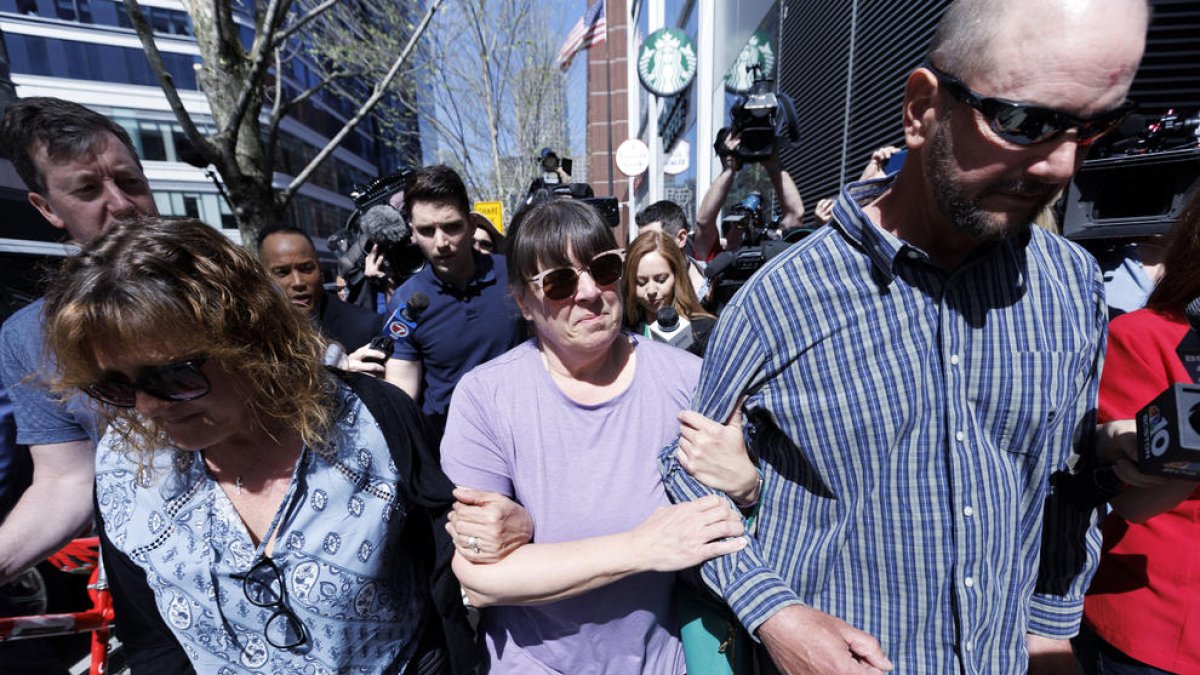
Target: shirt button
(958, 436)
(968, 582)
(968, 511)
(967, 646)
(954, 360)
(912, 254)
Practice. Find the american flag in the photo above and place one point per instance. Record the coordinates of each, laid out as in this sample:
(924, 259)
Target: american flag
(591, 29)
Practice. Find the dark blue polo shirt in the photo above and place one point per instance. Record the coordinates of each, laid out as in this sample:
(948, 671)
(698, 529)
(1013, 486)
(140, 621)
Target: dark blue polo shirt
(459, 330)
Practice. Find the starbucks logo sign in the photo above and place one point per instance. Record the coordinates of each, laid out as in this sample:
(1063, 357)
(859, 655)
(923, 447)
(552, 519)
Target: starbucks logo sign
(667, 62)
(757, 52)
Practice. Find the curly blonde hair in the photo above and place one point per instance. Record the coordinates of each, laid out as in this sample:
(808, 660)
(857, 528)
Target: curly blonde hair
(160, 284)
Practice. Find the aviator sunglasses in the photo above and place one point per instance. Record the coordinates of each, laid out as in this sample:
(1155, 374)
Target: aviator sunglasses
(561, 283)
(1027, 124)
(179, 381)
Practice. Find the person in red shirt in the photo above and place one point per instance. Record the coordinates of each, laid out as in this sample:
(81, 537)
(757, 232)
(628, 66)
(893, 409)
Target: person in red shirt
(1142, 611)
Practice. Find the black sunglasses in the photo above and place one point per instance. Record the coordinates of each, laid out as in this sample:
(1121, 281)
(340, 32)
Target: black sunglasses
(179, 381)
(561, 283)
(1027, 124)
(263, 587)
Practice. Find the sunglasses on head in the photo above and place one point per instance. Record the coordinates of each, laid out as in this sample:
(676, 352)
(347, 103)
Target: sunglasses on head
(561, 283)
(179, 381)
(1027, 124)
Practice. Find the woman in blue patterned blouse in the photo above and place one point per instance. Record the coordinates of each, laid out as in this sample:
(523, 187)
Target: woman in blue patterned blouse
(251, 489)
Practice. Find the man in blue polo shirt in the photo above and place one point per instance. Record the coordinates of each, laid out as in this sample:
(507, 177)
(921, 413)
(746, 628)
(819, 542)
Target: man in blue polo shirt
(470, 319)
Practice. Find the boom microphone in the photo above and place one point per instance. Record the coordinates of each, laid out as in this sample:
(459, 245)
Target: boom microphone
(380, 222)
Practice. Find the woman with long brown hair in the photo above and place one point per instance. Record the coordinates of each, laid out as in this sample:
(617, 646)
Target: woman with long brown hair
(655, 277)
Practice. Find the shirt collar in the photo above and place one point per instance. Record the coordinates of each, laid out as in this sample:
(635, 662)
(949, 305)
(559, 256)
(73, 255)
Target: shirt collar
(485, 274)
(885, 250)
(881, 248)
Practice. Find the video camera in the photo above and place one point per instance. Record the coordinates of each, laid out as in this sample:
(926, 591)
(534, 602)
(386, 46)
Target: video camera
(551, 163)
(1137, 181)
(730, 270)
(376, 223)
(746, 215)
(760, 118)
(550, 186)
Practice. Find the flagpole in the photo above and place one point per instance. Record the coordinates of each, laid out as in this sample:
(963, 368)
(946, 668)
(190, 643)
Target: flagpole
(608, 83)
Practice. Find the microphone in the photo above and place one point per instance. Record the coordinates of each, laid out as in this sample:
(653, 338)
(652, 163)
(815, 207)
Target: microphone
(404, 320)
(378, 220)
(1192, 312)
(1168, 432)
(671, 328)
(1188, 349)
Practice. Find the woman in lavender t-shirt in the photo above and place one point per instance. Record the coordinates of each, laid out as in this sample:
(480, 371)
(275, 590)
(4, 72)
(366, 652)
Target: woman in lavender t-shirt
(569, 424)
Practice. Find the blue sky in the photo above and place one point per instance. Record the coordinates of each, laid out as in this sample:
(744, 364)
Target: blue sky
(568, 14)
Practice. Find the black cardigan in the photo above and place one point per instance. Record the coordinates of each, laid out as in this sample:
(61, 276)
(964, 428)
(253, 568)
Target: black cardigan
(150, 646)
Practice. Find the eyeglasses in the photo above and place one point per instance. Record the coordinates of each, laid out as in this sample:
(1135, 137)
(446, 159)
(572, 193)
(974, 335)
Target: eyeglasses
(179, 381)
(561, 283)
(263, 586)
(1027, 124)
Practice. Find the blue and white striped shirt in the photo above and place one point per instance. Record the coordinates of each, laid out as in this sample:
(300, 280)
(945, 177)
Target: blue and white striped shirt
(908, 421)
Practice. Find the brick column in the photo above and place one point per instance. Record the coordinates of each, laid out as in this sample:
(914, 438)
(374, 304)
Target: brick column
(606, 67)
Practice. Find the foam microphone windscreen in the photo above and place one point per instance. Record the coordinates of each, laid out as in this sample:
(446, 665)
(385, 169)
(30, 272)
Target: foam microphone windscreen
(668, 318)
(379, 218)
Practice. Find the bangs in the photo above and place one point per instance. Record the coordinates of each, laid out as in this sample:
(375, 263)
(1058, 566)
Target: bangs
(88, 331)
(550, 233)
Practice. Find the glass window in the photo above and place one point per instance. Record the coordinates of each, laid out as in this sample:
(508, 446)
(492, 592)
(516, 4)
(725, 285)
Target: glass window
(181, 23)
(73, 10)
(154, 147)
(24, 7)
(122, 15)
(160, 19)
(65, 9)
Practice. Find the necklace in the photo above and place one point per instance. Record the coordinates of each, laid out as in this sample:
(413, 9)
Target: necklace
(237, 481)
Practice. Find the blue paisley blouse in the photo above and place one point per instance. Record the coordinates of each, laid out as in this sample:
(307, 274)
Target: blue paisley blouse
(345, 576)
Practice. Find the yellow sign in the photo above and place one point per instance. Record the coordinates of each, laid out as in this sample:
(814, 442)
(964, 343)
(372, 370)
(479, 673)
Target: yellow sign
(493, 211)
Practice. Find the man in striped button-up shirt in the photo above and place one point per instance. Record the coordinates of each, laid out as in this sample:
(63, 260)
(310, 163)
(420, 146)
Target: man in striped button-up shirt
(918, 371)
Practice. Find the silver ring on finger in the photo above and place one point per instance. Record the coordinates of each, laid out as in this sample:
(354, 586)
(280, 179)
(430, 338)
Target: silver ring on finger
(473, 545)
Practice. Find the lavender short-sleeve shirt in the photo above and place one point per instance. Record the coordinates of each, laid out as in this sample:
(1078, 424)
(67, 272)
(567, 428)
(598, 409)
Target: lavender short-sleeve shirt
(581, 471)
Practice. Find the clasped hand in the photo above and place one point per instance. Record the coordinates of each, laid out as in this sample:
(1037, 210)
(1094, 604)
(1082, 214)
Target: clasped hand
(715, 454)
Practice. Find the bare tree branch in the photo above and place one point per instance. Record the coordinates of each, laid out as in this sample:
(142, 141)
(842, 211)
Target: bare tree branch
(320, 9)
(259, 52)
(165, 81)
(381, 89)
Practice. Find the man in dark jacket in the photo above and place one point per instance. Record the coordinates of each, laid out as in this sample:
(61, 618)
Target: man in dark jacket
(290, 258)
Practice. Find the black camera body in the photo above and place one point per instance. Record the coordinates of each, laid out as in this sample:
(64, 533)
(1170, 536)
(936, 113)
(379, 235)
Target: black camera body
(376, 224)
(761, 118)
(746, 215)
(542, 189)
(754, 118)
(1137, 181)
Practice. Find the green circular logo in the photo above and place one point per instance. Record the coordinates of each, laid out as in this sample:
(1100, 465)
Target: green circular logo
(757, 52)
(667, 62)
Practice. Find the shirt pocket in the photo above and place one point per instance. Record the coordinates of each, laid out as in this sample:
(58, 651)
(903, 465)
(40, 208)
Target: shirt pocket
(1027, 399)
